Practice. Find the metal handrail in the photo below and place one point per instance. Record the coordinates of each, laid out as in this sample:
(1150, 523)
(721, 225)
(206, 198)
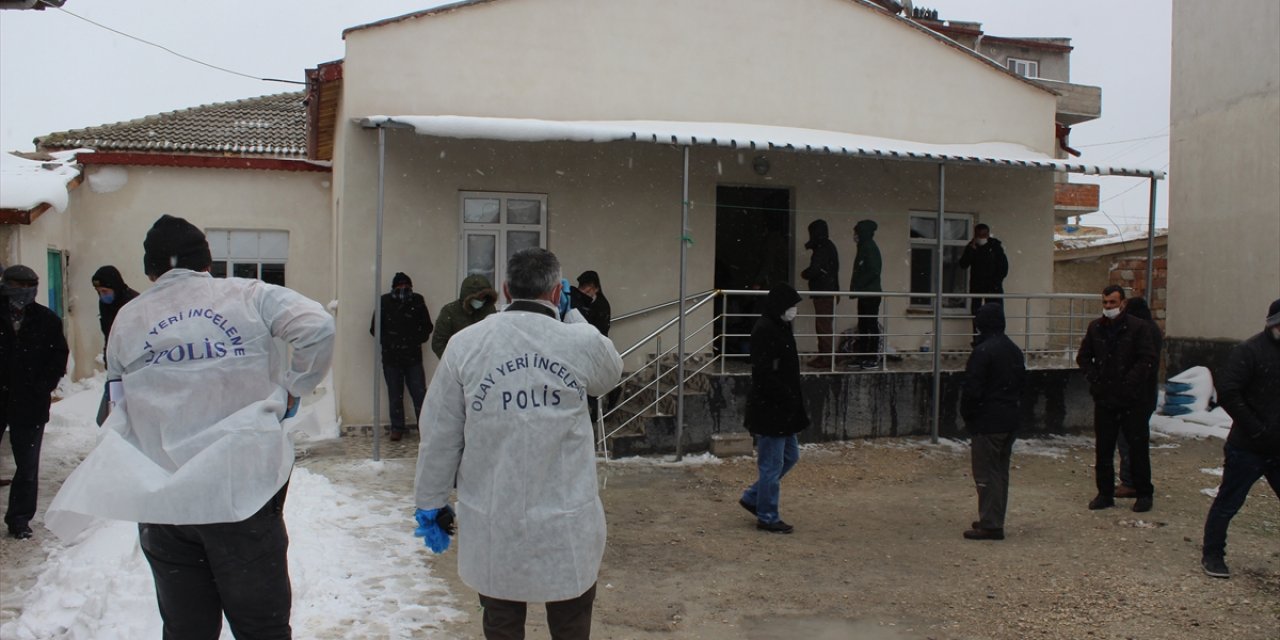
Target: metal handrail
(668, 324)
(662, 305)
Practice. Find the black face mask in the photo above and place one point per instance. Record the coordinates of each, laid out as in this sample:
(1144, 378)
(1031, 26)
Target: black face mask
(20, 297)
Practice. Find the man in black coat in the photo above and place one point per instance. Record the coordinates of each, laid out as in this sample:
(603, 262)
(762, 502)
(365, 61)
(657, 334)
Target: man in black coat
(1118, 355)
(775, 406)
(406, 325)
(589, 299)
(993, 381)
(823, 274)
(33, 358)
(1249, 389)
(987, 264)
(1137, 308)
(113, 294)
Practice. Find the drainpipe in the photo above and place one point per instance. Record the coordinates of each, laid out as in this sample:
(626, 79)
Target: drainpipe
(377, 299)
(937, 307)
(684, 247)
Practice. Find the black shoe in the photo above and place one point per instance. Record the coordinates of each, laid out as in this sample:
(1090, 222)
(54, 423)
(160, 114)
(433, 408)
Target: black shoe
(20, 531)
(1215, 566)
(747, 505)
(1101, 502)
(978, 533)
(775, 527)
(1143, 503)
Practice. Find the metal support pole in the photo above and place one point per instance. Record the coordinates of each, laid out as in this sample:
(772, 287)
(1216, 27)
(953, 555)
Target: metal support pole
(684, 234)
(377, 302)
(1151, 246)
(937, 307)
(657, 378)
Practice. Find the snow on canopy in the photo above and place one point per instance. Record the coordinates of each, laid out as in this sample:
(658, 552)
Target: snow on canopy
(26, 184)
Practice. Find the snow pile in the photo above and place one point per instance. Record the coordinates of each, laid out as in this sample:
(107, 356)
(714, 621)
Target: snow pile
(108, 179)
(1084, 239)
(27, 184)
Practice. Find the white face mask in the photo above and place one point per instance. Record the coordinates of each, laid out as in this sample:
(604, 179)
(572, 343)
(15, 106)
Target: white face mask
(1111, 314)
(790, 314)
(982, 241)
(1275, 333)
(476, 304)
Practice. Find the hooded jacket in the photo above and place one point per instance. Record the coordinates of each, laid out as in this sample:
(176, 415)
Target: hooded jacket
(988, 266)
(1248, 389)
(1137, 308)
(775, 404)
(867, 263)
(109, 277)
(823, 272)
(459, 314)
(597, 311)
(406, 324)
(33, 359)
(1117, 358)
(993, 378)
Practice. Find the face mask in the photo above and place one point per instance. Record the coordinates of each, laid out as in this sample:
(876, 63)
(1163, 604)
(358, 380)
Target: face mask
(790, 314)
(1111, 314)
(402, 293)
(982, 241)
(476, 304)
(1275, 333)
(20, 297)
(107, 298)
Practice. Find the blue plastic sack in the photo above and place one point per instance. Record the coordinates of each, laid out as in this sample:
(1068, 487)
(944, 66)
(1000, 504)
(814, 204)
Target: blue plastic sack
(1178, 398)
(1177, 387)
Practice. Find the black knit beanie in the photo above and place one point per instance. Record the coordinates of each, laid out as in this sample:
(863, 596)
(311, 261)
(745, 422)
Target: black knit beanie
(1273, 314)
(174, 243)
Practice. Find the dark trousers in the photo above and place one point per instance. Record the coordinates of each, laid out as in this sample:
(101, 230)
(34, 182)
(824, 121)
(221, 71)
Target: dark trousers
(411, 376)
(567, 619)
(240, 569)
(990, 454)
(823, 324)
(868, 328)
(1240, 470)
(1132, 424)
(25, 441)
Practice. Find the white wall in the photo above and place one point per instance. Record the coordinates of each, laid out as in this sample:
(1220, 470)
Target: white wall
(1224, 209)
(30, 245)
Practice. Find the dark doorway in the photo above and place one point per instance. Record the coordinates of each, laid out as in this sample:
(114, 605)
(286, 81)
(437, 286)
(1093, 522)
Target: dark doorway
(753, 251)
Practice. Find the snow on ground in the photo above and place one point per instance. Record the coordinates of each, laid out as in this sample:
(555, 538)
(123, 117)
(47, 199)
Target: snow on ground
(357, 570)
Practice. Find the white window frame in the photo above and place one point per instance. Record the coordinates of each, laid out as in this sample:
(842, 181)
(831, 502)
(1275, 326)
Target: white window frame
(220, 250)
(931, 244)
(1024, 68)
(498, 230)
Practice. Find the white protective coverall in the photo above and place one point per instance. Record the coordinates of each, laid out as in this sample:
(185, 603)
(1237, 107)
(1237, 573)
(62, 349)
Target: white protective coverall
(513, 389)
(196, 438)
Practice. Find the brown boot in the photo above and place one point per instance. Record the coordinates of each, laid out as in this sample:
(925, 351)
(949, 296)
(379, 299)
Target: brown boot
(397, 436)
(1126, 492)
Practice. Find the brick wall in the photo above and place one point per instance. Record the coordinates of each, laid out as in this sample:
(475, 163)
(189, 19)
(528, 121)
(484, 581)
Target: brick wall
(1131, 273)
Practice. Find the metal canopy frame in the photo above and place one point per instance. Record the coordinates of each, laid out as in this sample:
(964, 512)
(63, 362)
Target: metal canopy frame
(502, 131)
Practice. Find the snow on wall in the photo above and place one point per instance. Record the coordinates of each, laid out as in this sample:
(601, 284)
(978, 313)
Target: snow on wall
(26, 184)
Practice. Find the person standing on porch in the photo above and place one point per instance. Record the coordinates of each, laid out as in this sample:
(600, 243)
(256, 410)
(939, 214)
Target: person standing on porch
(989, 399)
(476, 301)
(866, 278)
(1117, 356)
(988, 266)
(1249, 389)
(823, 274)
(514, 390)
(406, 325)
(775, 406)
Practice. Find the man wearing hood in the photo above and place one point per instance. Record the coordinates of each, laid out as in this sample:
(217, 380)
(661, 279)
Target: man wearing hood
(1117, 356)
(476, 301)
(589, 299)
(1249, 389)
(406, 325)
(775, 406)
(988, 266)
(33, 358)
(113, 294)
(866, 278)
(1137, 308)
(993, 381)
(823, 274)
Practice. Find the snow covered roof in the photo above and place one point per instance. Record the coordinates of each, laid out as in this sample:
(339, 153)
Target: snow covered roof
(27, 184)
(743, 136)
(270, 126)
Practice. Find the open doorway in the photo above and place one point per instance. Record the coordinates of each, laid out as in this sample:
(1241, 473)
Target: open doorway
(753, 251)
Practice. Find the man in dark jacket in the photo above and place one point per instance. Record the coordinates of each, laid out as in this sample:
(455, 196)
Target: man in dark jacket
(866, 277)
(113, 294)
(988, 266)
(1137, 308)
(33, 358)
(1249, 389)
(775, 406)
(589, 299)
(823, 274)
(1117, 356)
(406, 325)
(476, 301)
(993, 382)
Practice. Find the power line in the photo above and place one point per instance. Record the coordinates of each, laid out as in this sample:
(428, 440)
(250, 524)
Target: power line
(1103, 144)
(166, 49)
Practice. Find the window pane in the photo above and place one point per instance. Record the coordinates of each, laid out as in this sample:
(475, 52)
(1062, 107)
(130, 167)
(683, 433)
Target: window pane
(954, 279)
(921, 274)
(924, 227)
(482, 255)
(517, 240)
(481, 210)
(218, 243)
(243, 244)
(245, 270)
(273, 245)
(524, 211)
(273, 273)
(955, 229)
(218, 269)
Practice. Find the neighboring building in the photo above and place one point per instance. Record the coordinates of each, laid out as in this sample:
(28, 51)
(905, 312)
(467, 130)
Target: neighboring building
(1086, 259)
(1224, 208)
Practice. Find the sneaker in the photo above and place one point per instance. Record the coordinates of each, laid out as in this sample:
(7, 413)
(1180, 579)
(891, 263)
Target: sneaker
(1215, 567)
(775, 527)
(870, 364)
(20, 531)
(1101, 502)
(1125, 491)
(1143, 504)
(978, 533)
(742, 502)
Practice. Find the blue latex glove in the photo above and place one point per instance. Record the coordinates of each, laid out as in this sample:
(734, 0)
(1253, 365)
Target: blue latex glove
(434, 527)
(565, 301)
(291, 407)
